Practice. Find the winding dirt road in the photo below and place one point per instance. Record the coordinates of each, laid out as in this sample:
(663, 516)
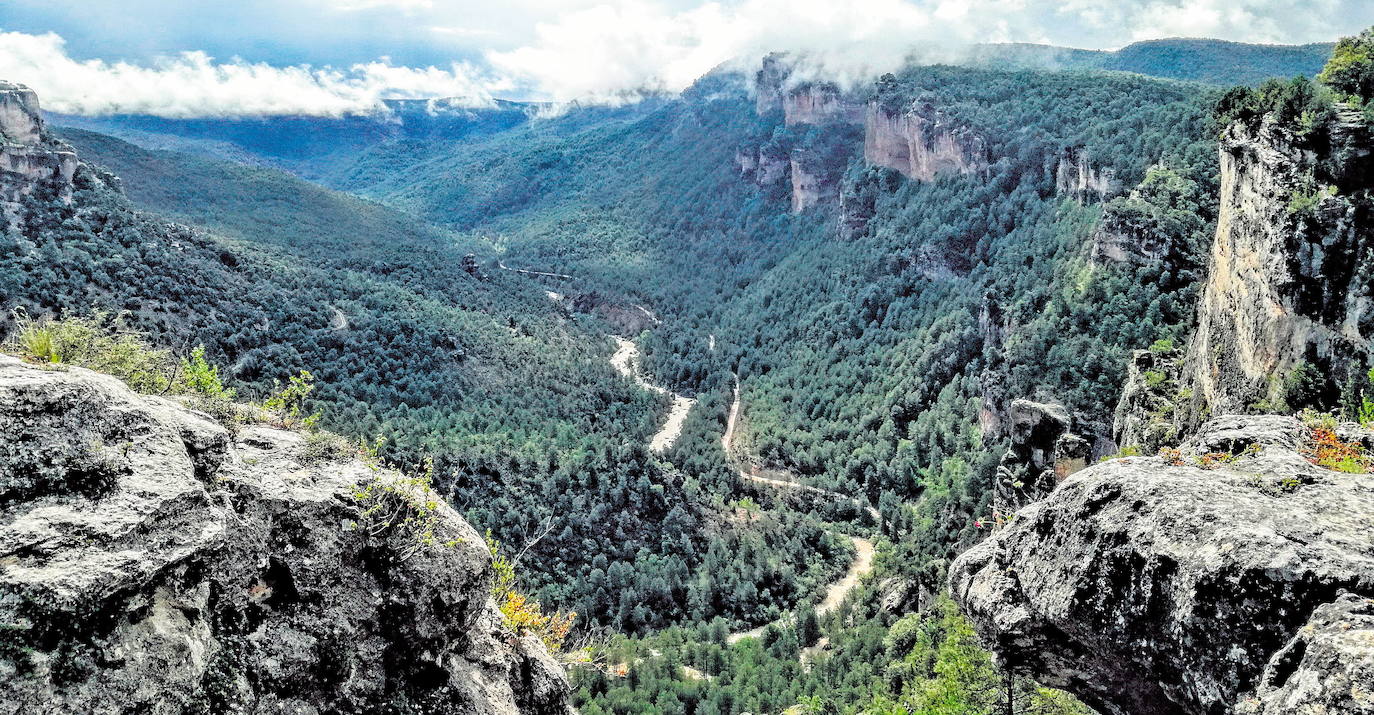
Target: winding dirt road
(626, 362)
(727, 442)
(863, 548)
(834, 593)
(528, 272)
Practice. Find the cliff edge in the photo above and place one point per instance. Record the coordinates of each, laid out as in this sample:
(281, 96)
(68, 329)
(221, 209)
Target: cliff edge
(150, 563)
(1235, 576)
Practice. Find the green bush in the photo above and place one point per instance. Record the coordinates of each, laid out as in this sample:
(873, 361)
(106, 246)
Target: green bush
(322, 447)
(1351, 67)
(98, 345)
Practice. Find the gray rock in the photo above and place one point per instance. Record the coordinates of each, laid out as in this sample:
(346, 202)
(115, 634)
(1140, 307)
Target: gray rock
(29, 157)
(1042, 453)
(1147, 587)
(1328, 667)
(150, 564)
(1285, 287)
(1145, 413)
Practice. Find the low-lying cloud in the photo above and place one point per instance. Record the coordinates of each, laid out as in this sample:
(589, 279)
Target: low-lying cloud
(608, 51)
(193, 84)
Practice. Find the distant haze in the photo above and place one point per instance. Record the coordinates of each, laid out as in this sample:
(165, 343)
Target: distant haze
(187, 58)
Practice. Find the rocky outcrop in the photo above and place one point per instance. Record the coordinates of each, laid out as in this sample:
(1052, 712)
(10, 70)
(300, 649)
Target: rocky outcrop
(920, 144)
(1118, 239)
(769, 83)
(151, 563)
(1076, 176)
(30, 159)
(1289, 281)
(820, 103)
(1145, 415)
(626, 318)
(1043, 452)
(808, 189)
(1234, 577)
(761, 166)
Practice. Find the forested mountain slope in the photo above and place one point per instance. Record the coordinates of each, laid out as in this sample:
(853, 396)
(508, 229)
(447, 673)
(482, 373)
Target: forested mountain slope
(1212, 61)
(881, 270)
(513, 400)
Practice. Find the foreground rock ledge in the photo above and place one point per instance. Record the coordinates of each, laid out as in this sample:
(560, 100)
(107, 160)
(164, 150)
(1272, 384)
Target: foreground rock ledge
(1145, 587)
(149, 563)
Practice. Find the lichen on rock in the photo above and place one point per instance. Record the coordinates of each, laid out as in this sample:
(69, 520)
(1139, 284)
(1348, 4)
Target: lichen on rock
(1232, 576)
(150, 563)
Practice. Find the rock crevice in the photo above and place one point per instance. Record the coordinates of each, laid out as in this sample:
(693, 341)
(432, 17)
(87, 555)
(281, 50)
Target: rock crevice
(150, 563)
(1235, 577)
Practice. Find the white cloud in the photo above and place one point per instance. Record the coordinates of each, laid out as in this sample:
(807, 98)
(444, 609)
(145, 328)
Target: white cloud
(193, 84)
(619, 45)
(569, 50)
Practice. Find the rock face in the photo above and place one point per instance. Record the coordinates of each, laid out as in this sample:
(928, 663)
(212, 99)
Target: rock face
(820, 103)
(1145, 414)
(807, 189)
(1043, 453)
(761, 166)
(150, 563)
(29, 158)
(1119, 240)
(1147, 586)
(769, 81)
(920, 144)
(1076, 176)
(1289, 281)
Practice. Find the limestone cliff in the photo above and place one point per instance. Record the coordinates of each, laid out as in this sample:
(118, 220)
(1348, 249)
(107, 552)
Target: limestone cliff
(1043, 452)
(820, 103)
(920, 143)
(1233, 577)
(769, 83)
(1077, 176)
(150, 562)
(30, 158)
(1289, 281)
(762, 165)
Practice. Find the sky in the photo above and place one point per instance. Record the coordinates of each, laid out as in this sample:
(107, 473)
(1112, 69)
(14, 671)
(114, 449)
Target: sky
(186, 58)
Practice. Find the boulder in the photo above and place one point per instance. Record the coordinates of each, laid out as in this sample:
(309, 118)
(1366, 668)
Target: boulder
(1233, 577)
(1043, 452)
(151, 563)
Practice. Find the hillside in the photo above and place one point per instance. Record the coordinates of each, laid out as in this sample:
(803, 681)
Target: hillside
(1199, 60)
(748, 376)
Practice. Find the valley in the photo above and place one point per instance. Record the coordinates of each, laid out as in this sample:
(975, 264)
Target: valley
(778, 394)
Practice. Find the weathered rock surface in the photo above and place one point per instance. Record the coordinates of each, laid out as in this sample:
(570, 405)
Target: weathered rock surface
(29, 157)
(762, 166)
(1043, 452)
(820, 103)
(920, 144)
(1144, 416)
(1148, 587)
(1076, 175)
(808, 189)
(150, 563)
(1289, 280)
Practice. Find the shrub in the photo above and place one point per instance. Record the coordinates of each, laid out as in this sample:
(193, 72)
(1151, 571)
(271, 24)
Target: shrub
(522, 614)
(405, 505)
(288, 403)
(1326, 449)
(86, 342)
(323, 447)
